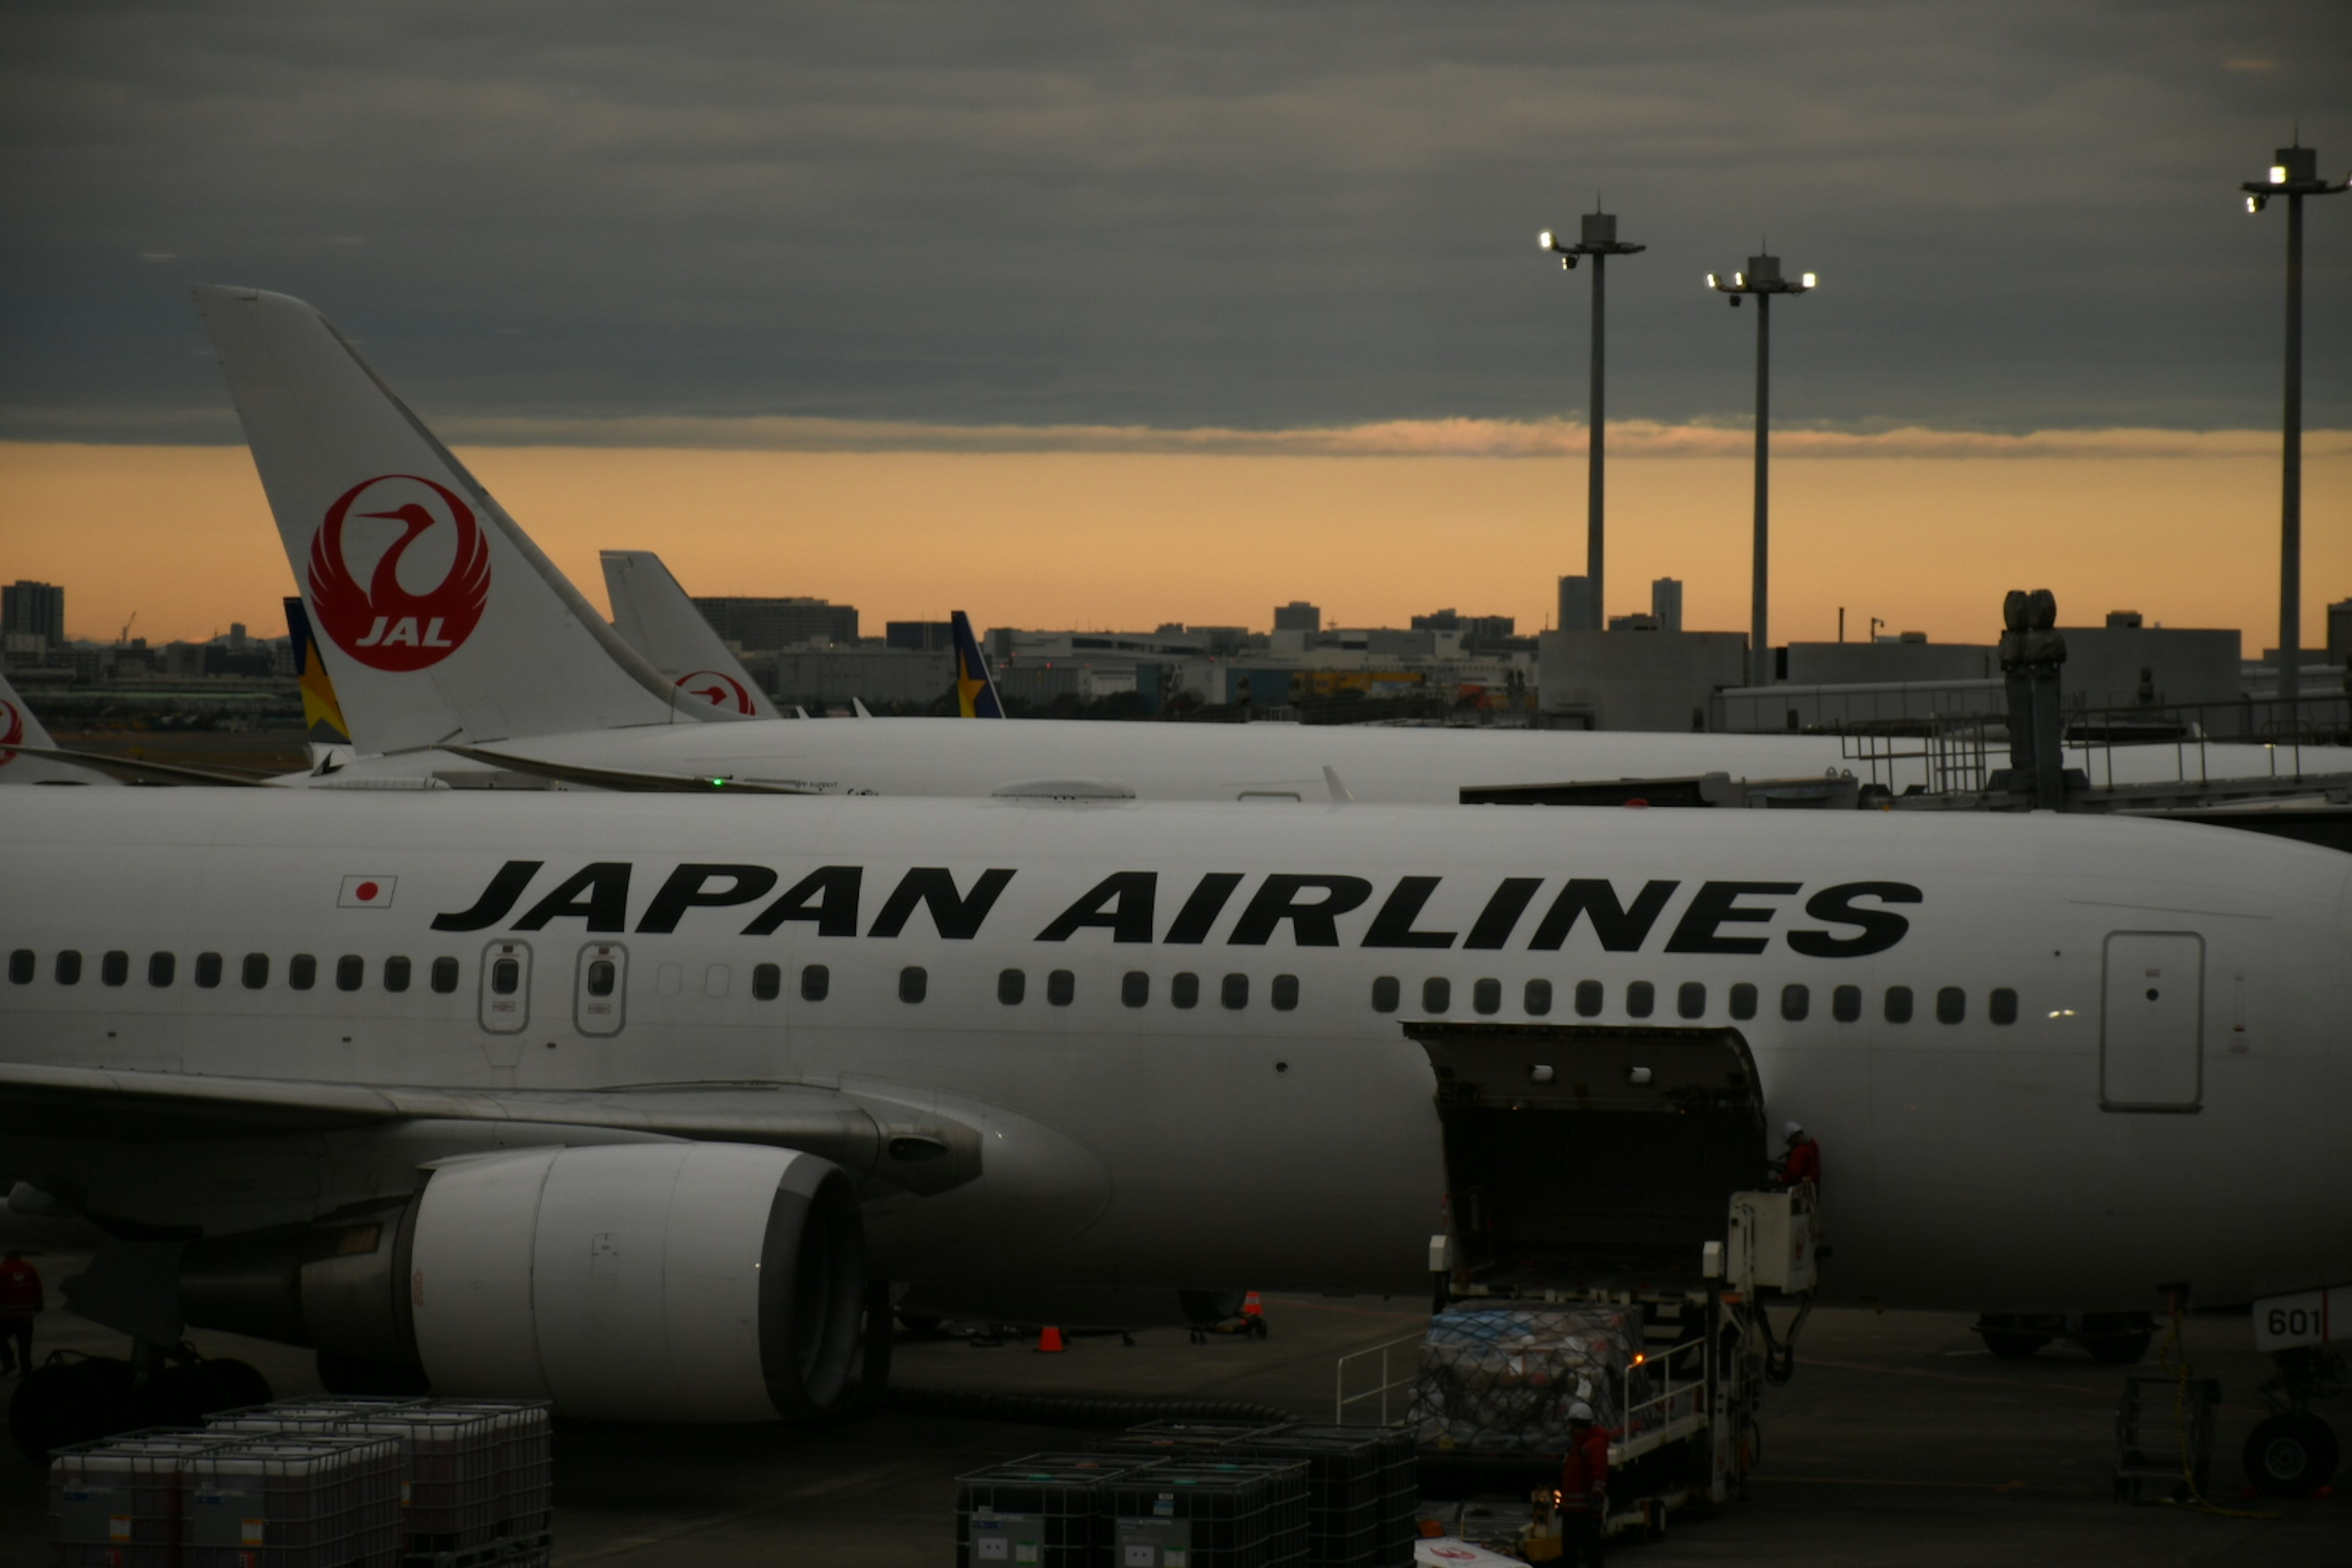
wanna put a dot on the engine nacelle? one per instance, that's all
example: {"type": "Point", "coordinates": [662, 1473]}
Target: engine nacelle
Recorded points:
{"type": "Point", "coordinates": [644, 1281]}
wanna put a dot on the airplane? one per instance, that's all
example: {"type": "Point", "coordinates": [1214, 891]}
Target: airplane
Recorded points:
{"type": "Point", "coordinates": [500, 668]}
{"type": "Point", "coordinates": [654, 615]}
{"type": "Point", "coordinates": [976, 695]}
{"type": "Point", "coordinates": [620, 1102]}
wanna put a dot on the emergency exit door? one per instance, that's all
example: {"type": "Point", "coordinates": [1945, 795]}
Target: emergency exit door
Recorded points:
{"type": "Point", "coordinates": [599, 992]}
{"type": "Point", "coordinates": [505, 987]}
{"type": "Point", "coordinates": [2152, 1021]}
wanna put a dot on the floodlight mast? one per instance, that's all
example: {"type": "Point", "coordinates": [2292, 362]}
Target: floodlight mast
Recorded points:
{"type": "Point", "coordinates": [1597, 238]}
{"type": "Point", "coordinates": [2295, 175]}
{"type": "Point", "coordinates": [1762, 278]}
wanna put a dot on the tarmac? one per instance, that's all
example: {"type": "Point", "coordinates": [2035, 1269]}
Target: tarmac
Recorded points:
{"type": "Point", "coordinates": [1899, 1441]}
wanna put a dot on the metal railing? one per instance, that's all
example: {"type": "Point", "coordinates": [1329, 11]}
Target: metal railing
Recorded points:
{"type": "Point", "coordinates": [1672, 1400]}
{"type": "Point", "coordinates": [1342, 1400]}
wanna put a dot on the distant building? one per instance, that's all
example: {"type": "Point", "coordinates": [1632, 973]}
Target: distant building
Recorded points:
{"type": "Point", "coordinates": [34, 609]}
{"type": "Point", "coordinates": [760, 625]}
{"type": "Point", "coordinates": [1477, 631]}
{"type": "Point", "coordinates": [2339, 632]}
{"type": "Point", "coordinates": [1657, 681]}
{"type": "Point", "coordinates": [919, 636]}
{"type": "Point", "coordinates": [1666, 603]}
{"type": "Point", "coordinates": [1578, 613]}
{"type": "Point", "coordinates": [1297, 616]}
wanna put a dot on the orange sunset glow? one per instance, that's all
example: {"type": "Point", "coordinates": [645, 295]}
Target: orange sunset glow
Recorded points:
{"type": "Point", "coordinates": [181, 535]}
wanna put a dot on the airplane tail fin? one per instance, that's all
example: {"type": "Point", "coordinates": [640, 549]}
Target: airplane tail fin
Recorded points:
{"type": "Point", "coordinates": [322, 715]}
{"type": "Point", "coordinates": [976, 695]}
{"type": "Point", "coordinates": [437, 618]}
{"type": "Point", "coordinates": [20, 726]}
{"type": "Point", "coordinates": [654, 615]}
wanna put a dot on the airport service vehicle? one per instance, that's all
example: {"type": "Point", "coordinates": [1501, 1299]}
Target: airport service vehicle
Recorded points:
{"type": "Point", "coordinates": [618, 1100]}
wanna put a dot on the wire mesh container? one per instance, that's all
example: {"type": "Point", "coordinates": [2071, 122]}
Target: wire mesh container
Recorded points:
{"type": "Point", "coordinates": [1188, 1440]}
{"type": "Point", "coordinates": [1044, 1510]}
{"type": "Point", "coordinates": [297, 1500]}
{"type": "Point", "coordinates": [1346, 1488]}
{"type": "Point", "coordinates": [526, 1463]}
{"type": "Point", "coordinates": [1188, 1516]}
{"type": "Point", "coordinates": [1286, 1512]}
{"type": "Point", "coordinates": [118, 1503]}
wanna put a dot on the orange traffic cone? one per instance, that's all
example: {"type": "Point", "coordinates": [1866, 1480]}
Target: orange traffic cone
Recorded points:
{"type": "Point", "coordinates": [1251, 1306]}
{"type": "Point", "coordinates": [1049, 1341]}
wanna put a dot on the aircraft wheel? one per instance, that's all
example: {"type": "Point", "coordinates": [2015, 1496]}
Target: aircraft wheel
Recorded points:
{"type": "Point", "coordinates": [62, 1403]}
{"type": "Point", "coordinates": [2011, 1343]}
{"type": "Point", "coordinates": [2288, 1455]}
{"type": "Point", "coordinates": [183, 1395]}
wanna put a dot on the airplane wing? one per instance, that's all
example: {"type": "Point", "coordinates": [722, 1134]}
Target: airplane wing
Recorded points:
{"type": "Point", "coordinates": [132, 769]}
{"type": "Point", "coordinates": [867, 1135]}
{"type": "Point", "coordinates": [653, 614]}
{"type": "Point", "coordinates": [631, 781]}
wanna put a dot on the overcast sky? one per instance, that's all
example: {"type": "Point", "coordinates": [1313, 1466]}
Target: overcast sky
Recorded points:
{"type": "Point", "coordinates": [1254, 217]}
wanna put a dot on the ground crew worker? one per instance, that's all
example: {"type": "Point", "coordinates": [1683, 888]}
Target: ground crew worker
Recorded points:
{"type": "Point", "coordinates": [20, 1299]}
{"type": "Point", "coordinates": [1802, 1163]}
{"type": "Point", "coordinates": [1583, 1488]}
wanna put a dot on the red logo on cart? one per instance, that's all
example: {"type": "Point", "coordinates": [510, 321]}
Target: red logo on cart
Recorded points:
{"type": "Point", "coordinates": [394, 622]}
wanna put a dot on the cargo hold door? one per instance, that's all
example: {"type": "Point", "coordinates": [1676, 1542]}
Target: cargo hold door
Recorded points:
{"type": "Point", "coordinates": [1575, 1154]}
{"type": "Point", "coordinates": [2152, 1022]}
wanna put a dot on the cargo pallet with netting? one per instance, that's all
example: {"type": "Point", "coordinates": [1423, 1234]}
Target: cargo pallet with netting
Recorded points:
{"type": "Point", "coordinates": [1607, 1246]}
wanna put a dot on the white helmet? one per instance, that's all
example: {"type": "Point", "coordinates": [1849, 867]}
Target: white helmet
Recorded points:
{"type": "Point", "coordinates": [1580, 1411]}
{"type": "Point", "coordinates": [1791, 1128]}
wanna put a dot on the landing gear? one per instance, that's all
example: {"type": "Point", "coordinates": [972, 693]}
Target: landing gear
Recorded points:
{"type": "Point", "coordinates": [73, 1398]}
{"type": "Point", "coordinates": [2009, 1343]}
{"type": "Point", "coordinates": [2114, 1338]}
{"type": "Point", "coordinates": [2292, 1452]}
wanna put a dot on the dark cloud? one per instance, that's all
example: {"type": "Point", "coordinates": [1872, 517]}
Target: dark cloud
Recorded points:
{"type": "Point", "coordinates": [1206, 214]}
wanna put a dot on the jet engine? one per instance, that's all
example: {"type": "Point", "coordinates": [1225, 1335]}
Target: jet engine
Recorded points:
{"type": "Point", "coordinates": [701, 1282]}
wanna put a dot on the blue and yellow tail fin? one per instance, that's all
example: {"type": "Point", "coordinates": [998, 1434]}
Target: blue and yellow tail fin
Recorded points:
{"type": "Point", "coordinates": [322, 716]}
{"type": "Point", "coordinates": [975, 689]}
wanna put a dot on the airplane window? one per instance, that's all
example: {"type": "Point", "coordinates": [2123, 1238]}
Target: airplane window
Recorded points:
{"type": "Point", "coordinates": [1743, 1001]}
{"type": "Point", "coordinates": [1234, 992]}
{"type": "Point", "coordinates": [350, 972]}
{"type": "Point", "coordinates": [1012, 985]}
{"type": "Point", "coordinates": [599, 978]}
{"type": "Point", "coordinates": [1951, 1005]}
{"type": "Point", "coordinates": [1845, 1004]}
{"type": "Point", "coordinates": [506, 976]}
{"type": "Point", "coordinates": [160, 967]}
{"type": "Point", "coordinates": [1487, 996]}
{"type": "Point", "coordinates": [767, 982]}
{"type": "Point", "coordinates": [20, 967]}
{"type": "Point", "coordinates": [1135, 988]}
{"type": "Point", "coordinates": [1060, 987]}
{"type": "Point", "coordinates": [115, 967]}
{"type": "Point", "coordinates": [1286, 992]}
{"type": "Point", "coordinates": [1436, 995]}
{"type": "Point", "coordinates": [914, 983]}
{"type": "Point", "coordinates": [816, 982]}
{"type": "Point", "coordinates": [1385, 994]}
{"type": "Point", "coordinates": [257, 971]}
{"type": "Point", "coordinates": [1184, 990]}
{"type": "Point", "coordinates": [444, 974]}
{"type": "Point", "coordinates": [2004, 1005]}
{"type": "Point", "coordinates": [395, 975]}
{"type": "Point", "coordinates": [1795, 1003]}
{"type": "Point", "coordinates": [1690, 999]}
{"type": "Point", "coordinates": [1641, 998]}
{"type": "Point", "coordinates": [716, 979]}
{"type": "Point", "coordinates": [302, 972]}
{"type": "Point", "coordinates": [1898, 1003]}
{"type": "Point", "coordinates": [208, 970]}
{"type": "Point", "coordinates": [1589, 998]}
{"type": "Point", "coordinates": [1536, 999]}
{"type": "Point", "coordinates": [68, 968]}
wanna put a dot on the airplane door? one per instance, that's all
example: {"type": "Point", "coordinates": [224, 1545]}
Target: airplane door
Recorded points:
{"type": "Point", "coordinates": [600, 991]}
{"type": "Point", "coordinates": [505, 987]}
{"type": "Point", "coordinates": [2151, 1022]}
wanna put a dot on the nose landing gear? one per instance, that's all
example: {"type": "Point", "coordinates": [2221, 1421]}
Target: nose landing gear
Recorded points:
{"type": "Point", "coordinates": [2292, 1452]}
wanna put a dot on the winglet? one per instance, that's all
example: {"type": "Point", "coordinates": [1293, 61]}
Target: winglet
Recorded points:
{"type": "Point", "coordinates": [976, 695]}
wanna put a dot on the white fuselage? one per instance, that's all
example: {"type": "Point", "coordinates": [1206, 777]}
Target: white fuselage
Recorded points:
{"type": "Point", "coordinates": [1969, 1162]}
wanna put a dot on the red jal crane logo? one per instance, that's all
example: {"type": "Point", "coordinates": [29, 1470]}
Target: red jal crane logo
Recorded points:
{"type": "Point", "coordinates": [11, 731]}
{"type": "Point", "coordinates": [384, 624]}
{"type": "Point", "coordinates": [721, 690]}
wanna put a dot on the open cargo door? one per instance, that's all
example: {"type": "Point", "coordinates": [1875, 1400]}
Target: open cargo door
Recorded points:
{"type": "Point", "coordinates": [1575, 1154]}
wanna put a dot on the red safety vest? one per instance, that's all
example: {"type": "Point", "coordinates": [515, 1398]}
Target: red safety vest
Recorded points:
{"type": "Point", "coordinates": [20, 1289]}
{"type": "Point", "coordinates": [1584, 1474]}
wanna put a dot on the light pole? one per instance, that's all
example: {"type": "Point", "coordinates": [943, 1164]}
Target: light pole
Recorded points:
{"type": "Point", "coordinates": [1597, 238]}
{"type": "Point", "coordinates": [1763, 280]}
{"type": "Point", "coordinates": [2295, 175]}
